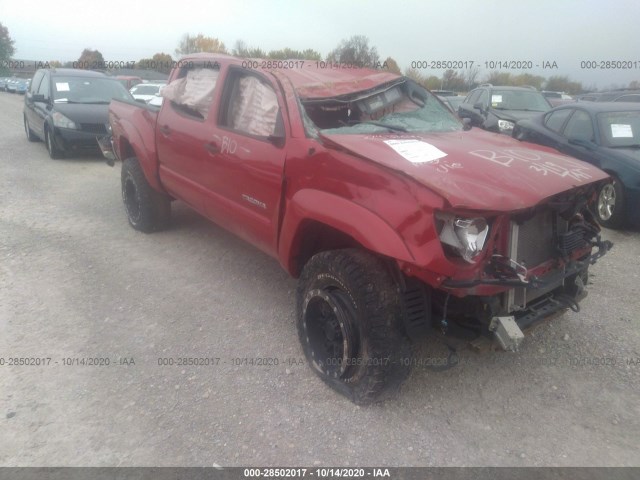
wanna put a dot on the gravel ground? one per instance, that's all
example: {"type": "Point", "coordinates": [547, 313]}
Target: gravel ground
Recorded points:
{"type": "Point", "coordinates": [76, 281]}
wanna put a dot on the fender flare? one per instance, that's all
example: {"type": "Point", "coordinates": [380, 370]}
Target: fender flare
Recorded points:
{"type": "Point", "coordinates": [146, 154]}
{"type": "Point", "coordinates": [361, 224]}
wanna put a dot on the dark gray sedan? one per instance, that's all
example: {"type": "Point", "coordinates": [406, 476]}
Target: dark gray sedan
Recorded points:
{"type": "Point", "coordinates": [605, 134]}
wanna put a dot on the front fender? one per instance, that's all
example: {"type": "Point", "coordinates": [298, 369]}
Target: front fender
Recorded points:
{"type": "Point", "coordinates": [361, 224]}
{"type": "Point", "coordinates": [140, 144]}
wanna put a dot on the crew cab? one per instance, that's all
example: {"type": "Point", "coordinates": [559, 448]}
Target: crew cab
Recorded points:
{"type": "Point", "coordinates": [394, 216]}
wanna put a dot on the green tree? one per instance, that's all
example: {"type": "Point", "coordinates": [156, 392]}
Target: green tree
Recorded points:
{"type": "Point", "coordinates": [432, 82]}
{"type": "Point", "coordinates": [242, 50]}
{"type": "Point", "coordinates": [90, 59]}
{"type": "Point", "coordinates": [290, 54]}
{"type": "Point", "coordinates": [311, 54]}
{"type": "Point", "coordinates": [6, 49]}
{"type": "Point", "coordinates": [558, 83]}
{"type": "Point", "coordinates": [160, 62]}
{"type": "Point", "coordinates": [199, 43]}
{"type": "Point", "coordinates": [453, 80]}
{"type": "Point", "coordinates": [471, 77]}
{"type": "Point", "coordinates": [392, 66]}
{"type": "Point", "coordinates": [528, 79]}
{"type": "Point", "coordinates": [355, 50]}
{"type": "Point", "coordinates": [499, 78]}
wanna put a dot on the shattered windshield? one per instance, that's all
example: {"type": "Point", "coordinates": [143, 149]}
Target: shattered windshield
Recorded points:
{"type": "Point", "coordinates": [404, 107]}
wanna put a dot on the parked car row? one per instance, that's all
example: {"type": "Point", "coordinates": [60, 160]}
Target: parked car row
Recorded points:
{"type": "Point", "coordinates": [14, 84]}
{"type": "Point", "coordinates": [604, 134]}
{"type": "Point", "coordinates": [603, 131]}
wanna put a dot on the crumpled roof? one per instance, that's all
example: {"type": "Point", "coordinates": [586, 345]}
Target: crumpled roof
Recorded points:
{"type": "Point", "coordinates": [310, 78]}
{"type": "Point", "coordinates": [311, 81]}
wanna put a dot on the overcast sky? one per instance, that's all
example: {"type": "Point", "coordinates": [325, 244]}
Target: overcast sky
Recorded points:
{"type": "Point", "coordinates": [564, 31]}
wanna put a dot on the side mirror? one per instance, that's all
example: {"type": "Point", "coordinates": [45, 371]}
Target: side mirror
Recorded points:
{"type": "Point", "coordinates": [38, 97]}
{"type": "Point", "coordinates": [479, 106]}
{"type": "Point", "coordinates": [466, 124]}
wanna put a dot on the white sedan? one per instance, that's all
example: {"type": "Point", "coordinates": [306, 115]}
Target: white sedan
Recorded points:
{"type": "Point", "coordinates": [144, 92]}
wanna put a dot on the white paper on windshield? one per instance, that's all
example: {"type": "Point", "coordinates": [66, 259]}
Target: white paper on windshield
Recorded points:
{"type": "Point", "coordinates": [62, 86]}
{"type": "Point", "coordinates": [496, 98]}
{"type": "Point", "coordinates": [619, 130]}
{"type": "Point", "coordinates": [416, 151]}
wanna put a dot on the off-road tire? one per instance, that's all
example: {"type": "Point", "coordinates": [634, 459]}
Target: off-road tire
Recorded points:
{"type": "Point", "coordinates": [611, 216]}
{"type": "Point", "coordinates": [147, 209]}
{"type": "Point", "coordinates": [27, 129]}
{"type": "Point", "coordinates": [52, 148]}
{"type": "Point", "coordinates": [347, 299]}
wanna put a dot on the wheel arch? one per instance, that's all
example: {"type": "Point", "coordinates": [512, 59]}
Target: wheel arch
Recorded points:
{"type": "Point", "coordinates": [317, 221]}
{"type": "Point", "coordinates": [133, 146]}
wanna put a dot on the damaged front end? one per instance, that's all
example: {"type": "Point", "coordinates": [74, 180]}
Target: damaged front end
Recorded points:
{"type": "Point", "coordinates": [517, 269]}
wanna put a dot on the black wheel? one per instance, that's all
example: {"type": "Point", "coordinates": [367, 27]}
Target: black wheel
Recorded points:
{"type": "Point", "coordinates": [30, 135]}
{"type": "Point", "coordinates": [611, 204]}
{"type": "Point", "coordinates": [349, 323]}
{"type": "Point", "coordinates": [147, 209]}
{"type": "Point", "coordinates": [52, 148]}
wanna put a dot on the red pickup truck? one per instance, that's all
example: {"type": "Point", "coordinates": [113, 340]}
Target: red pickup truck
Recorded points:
{"type": "Point", "coordinates": [394, 215]}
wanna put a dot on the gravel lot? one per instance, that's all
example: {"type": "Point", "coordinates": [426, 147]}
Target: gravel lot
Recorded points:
{"type": "Point", "coordinates": [76, 281]}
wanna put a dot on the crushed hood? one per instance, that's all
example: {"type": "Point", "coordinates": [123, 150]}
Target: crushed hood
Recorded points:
{"type": "Point", "coordinates": [475, 169]}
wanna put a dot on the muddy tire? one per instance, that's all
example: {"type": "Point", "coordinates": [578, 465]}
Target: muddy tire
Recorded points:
{"type": "Point", "coordinates": [610, 205]}
{"type": "Point", "coordinates": [54, 151]}
{"type": "Point", "coordinates": [27, 129]}
{"type": "Point", "coordinates": [349, 324]}
{"type": "Point", "coordinates": [147, 209]}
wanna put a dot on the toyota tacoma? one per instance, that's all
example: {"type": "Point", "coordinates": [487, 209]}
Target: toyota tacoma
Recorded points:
{"type": "Point", "coordinates": [395, 216]}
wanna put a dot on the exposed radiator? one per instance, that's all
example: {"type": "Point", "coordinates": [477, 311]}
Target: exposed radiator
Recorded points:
{"type": "Point", "coordinates": [535, 241]}
{"type": "Point", "coordinates": [532, 242]}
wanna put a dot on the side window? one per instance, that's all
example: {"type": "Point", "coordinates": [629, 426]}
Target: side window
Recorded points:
{"type": "Point", "coordinates": [35, 83]}
{"type": "Point", "coordinates": [628, 98]}
{"type": "Point", "coordinates": [472, 98]}
{"type": "Point", "coordinates": [251, 106]}
{"type": "Point", "coordinates": [555, 120]}
{"type": "Point", "coordinates": [579, 126]}
{"type": "Point", "coordinates": [484, 98]}
{"type": "Point", "coordinates": [193, 91]}
{"type": "Point", "coordinates": [44, 87]}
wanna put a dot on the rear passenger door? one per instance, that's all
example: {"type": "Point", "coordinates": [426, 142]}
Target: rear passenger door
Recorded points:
{"type": "Point", "coordinates": [244, 167]}
{"type": "Point", "coordinates": [184, 129]}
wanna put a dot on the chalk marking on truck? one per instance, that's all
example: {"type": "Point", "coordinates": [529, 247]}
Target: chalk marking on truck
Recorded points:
{"type": "Point", "coordinates": [538, 163]}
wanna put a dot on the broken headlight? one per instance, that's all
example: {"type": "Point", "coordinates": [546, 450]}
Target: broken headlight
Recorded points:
{"type": "Point", "coordinates": [466, 236]}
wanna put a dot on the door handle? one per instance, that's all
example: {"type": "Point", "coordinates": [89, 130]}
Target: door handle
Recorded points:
{"type": "Point", "coordinates": [212, 148]}
{"type": "Point", "coordinates": [165, 130]}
